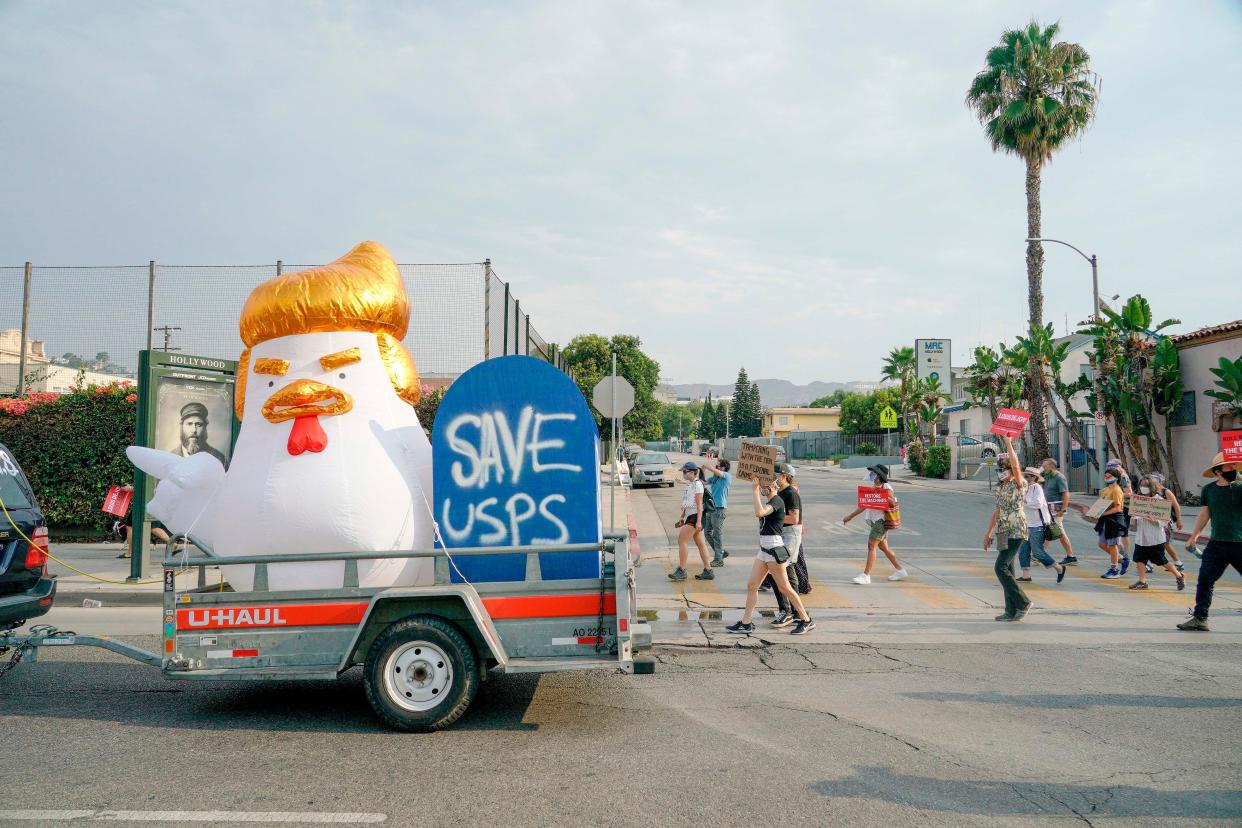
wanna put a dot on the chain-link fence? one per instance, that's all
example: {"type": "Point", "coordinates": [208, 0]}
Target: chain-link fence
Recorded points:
{"type": "Point", "coordinates": [89, 323]}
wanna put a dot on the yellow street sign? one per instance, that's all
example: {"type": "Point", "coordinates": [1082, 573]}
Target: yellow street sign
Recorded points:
{"type": "Point", "coordinates": [888, 417]}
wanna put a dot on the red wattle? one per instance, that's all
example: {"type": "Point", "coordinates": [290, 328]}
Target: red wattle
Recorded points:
{"type": "Point", "coordinates": [307, 435]}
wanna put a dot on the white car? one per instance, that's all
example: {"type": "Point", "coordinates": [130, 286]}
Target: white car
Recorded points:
{"type": "Point", "coordinates": [652, 469]}
{"type": "Point", "coordinates": [971, 447]}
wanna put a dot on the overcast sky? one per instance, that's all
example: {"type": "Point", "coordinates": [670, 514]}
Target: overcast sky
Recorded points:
{"type": "Point", "coordinates": [793, 187]}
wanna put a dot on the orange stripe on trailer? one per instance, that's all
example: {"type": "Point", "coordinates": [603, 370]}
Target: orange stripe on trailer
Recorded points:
{"type": "Point", "coordinates": [548, 606]}
{"type": "Point", "coordinates": [275, 615]}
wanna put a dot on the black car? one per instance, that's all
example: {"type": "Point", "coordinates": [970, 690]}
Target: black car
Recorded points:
{"type": "Point", "coordinates": [26, 591]}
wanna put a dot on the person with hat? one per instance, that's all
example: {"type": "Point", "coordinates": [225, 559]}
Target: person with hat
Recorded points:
{"type": "Point", "coordinates": [791, 534]}
{"type": "Point", "coordinates": [690, 526]}
{"type": "Point", "coordinates": [1008, 526]}
{"type": "Point", "coordinates": [1127, 489]}
{"type": "Point", "coordinates": [194, 433]}
{"type": "Point", "coordinates": [1149, 539]}
{"type": "Point", "coordinates": [877, 536]}
{"type": "Point", "coordinates": [1038, 518]}
{"type": "Point", "coordinates": [1222, 505]}
{"type": "Point", "coordinates": [1158, 489]}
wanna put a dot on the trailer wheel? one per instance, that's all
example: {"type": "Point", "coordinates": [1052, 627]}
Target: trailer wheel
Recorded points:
{"type": "Point", "coordinates": [421, 674]}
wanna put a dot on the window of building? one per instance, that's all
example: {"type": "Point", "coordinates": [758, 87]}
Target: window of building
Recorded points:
{"type": "Point", "coordinates": [784, 420]}
{"type": "Point", "coordinates": [1184, 414]}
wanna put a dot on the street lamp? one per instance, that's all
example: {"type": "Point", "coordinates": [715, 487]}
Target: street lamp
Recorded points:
{"type": "Point", "coordinates": [1095, 272]}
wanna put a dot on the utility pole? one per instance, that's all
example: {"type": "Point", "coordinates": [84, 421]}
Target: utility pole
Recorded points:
{"type": "Point", "coordinates": [167, 330]}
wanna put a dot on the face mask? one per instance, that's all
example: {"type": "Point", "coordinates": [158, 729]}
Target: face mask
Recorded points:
{"type": "Point", "coordinates": [1048, 472]}
{"type": "Point", "coordinates": [1144, 490]}
{"type": "Point", "coordinates": [1230, 475]}
{"type": "Point", "coordinates": [1108, 481]}
{"type": "Point", "coordinates": [875, 478]}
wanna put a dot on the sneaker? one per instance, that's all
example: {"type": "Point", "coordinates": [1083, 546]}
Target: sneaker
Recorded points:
{"type": "Point", "coordinates": [1194, 623]}
{"type": "Point", "coordinates": [765, 587]}
{"type": "Point", "coordinates": [705, 575]}
{"type": "Point", "coordinates": [1181, 582]}
{"type": "Point", "coordinates": [1139, 585]}
{"type": "Point", "coordinates": [1024, 578]}
{"type": "Point", "coordinates": [1149, 569]}
{"type": "Point", "coordinates": [677, 574]}
{"type": "Point", "coordinates": [898, 575]}
{"type": "Point", "coordinates": [717, 561]}
{"type": "Point", "coordinates": [740, 628]}
{"type": "Point", "coordinates": [862, 578]}
{"type": "Point", "coordinates": [1062, 573]}
{"type": "Point", "coordinates": [1111, 573]}
{"type": "Point", "coordinates": [1004, 616]}
{"type": "Point", "coordinates": [1069, 560]}
{"type": "Point", "coordinates": [1019, 615]}
{"type": "Point", "coordinates": [1125, 564]}
{"type": "Point", "coordinates": [803, 627]}
{"type": "Point", "coordinates": [724, 554]}
{"type": "Point", "coordinates": [784, 619]}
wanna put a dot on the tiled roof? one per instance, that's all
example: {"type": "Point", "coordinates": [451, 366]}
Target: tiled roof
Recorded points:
{"type": "Point", "coordinates": [1204, 333]}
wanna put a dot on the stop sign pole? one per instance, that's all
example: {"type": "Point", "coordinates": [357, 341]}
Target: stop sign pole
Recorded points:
{"type": "Point", "coordinates": [613, 397]}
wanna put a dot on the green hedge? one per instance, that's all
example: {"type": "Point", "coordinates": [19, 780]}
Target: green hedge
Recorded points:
{"type": "Point", "coordinates": [72, 447]}
{"type": "Point", "coordinates": [937, 462]}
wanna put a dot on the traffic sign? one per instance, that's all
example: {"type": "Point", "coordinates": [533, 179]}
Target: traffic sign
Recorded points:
{"type": "Point", "coordinates": [602, 399]}
{"type": "Point", "coordinates": [888, 417]}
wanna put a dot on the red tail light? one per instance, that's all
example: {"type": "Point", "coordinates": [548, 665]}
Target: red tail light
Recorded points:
{"type": "Point", "coordinates": [36, 555]}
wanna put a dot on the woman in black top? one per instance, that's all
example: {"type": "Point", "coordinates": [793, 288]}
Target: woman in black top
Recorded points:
{"type": "Point", "coordinates": [772, 560]}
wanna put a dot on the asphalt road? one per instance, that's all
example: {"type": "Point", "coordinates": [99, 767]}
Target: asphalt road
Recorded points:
{"type": "Point", "coordinates": [894, 713]}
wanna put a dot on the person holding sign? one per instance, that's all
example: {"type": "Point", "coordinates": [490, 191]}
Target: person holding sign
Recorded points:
{"type": "Point", "coordinates": [1008, 522]}
{"type": "Point", "coordinates": [1111, 524]}
{"type": "Point", "coordinates": [1222, 504]}
{"type": "Point", "coordinates": [1150, 532]}
{"type": "Point", "coordinates": [877, 536]}
{"type": "Point", "coordinates": [689, 524]}
{"type": "Point", "coordinates": [1158, 489]}
{"type": "Point", "coordinates": [773, 559]}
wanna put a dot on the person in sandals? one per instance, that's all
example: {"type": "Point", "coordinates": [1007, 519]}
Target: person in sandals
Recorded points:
{"type": "Point", "coordinates": [1149, 536]}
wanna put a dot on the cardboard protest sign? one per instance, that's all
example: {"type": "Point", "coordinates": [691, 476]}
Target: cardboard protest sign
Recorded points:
{"type": "Point", "coordinates": [756, 462]}
{"type": "Point", "coordinates": [117, 501]}
{"type": "Point", "coordinates": [1151, 507]}
{"type": "Point", "coordinates": [517, 464]}
{"type": "Point", "coordinates": [870, 497]}
{"type": "Point", "coordinates": [1010, 422]}
{"type": "Point", "coordinates": [1099, 507]}
{"type": "Point", "coordinates": [1231, 446]}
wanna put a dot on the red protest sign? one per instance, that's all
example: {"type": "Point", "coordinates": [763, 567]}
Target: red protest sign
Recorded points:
{"type": "Point", "coordinates": [117, 501]}
{"type": "Point", "coordinates": [872, 498]}
{"type": "Point", "coordinates": [1231, 446]}
{"type": "Point", "coordinates": [1010, 422]}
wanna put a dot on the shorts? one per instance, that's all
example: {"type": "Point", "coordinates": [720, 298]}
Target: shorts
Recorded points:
{"type": "Point", "coordinates": [692, 520]}
{"type": "Point", "coordinates": [878, 531]}
{"type": "Point", "coordinates": [1105, 541]}
{"type": "Point", "coordinates": [1153, 555]}
{"type": "Point", "coordinates": [766, 555]}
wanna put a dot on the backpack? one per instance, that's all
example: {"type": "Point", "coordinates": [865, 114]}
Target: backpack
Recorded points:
{"type": "Point", "coordinates": [709, 503]}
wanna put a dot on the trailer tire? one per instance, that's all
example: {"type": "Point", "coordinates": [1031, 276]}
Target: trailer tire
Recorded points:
{"type": "Point", "coordinates": [421, 674]}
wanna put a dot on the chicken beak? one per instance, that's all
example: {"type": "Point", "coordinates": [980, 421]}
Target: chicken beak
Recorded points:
{"type": "Point", "coordinates": [302, 398]}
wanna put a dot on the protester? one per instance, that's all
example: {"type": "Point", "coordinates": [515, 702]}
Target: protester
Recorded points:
{"type": "Point", "coordinates": [1149, 537]}
{"type": "Point", "coordinates": [719, 480]}
{"type": "Point", "coordinates": [1057, 493]}
{"type": "Point", "coordinates": [1109, 526]}
{"type": "Point", "coordinates": [791, 534]}
{"type": "Point", "coordinates": [1222, 504]}
{"type": "Point", "coordinates": [1127, 489]}
{"type": "Point", "coordinates": [1038, 518]}
{"type": "Point", "coordinates": [1160, 490]}
{"type": "Point", "coordinates": [878, 536]}
{"type": "Point", "coordinates": [1008, 522]}
{"type": "Point", "coordinates": [691, 509]}
{"type": "Point", "coordinates": [772, 559]}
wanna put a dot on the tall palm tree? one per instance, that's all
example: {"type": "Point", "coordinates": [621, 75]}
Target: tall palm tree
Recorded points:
{"type": "Point", "coordinates": [1035, 94]}
{"type": "Point", "coordinates": [901, 367]}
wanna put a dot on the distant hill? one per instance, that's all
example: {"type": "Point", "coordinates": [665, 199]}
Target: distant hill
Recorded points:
{"type": "Point", "coordinates": [774, 392]}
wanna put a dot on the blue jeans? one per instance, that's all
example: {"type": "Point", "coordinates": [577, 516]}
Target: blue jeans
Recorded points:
{"type": "Point", "coordinates": [1034, 543]}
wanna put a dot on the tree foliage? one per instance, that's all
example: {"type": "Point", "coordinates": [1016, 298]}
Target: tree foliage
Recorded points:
{"type": "Point", "coordinates": [860, 413]}
{"type": "Point", "coordinates": [900, 367]}
{"type": "Point", "coordinates": [590, 358]}
{"type": "Point", "coordinates": [830, 401]}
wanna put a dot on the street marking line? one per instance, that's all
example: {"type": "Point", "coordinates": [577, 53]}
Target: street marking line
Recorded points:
{"type": "Point", "coordinates": [318, 817]}
{"type": "Point", "coordinates": [822, 596]}
{"type": "Point", "coordinates": [1056, 598]}
{"type": "Point", "coordinates": [705, 593]}
{"type": "Point", "coordinates": [933, 596]}
{"type": "Point", "coordinates": [1177, 599]}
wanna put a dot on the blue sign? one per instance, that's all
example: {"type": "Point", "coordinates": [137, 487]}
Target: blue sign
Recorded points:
{"type": "Point", "coordinates": [516, 463]}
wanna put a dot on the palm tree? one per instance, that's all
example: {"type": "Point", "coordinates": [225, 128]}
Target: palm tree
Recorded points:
{"type": "Point", "coordinates": [1034, 94]}
{"type": "Point", "coordinates": [901, 367]}
{"type": "Point", "coordinates": [931, 398]}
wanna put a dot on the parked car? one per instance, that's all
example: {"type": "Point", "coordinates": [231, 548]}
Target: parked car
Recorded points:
{"type": "Point", "coordinates": [780, 454]}
{"type": "Point", "coordinates": [26, 591]}
{"type": "Point", "coordinates": [652, 469]}
{"type": "Point", "coordinates": [972, 447]}
{"type": "Point", "coordinates": [632, 451]}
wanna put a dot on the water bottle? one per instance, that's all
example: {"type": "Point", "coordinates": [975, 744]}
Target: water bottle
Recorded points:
{"type": "Point", "coordinates": [91, 603]}
{"type": "Point", "coordinates": [1193, 548]}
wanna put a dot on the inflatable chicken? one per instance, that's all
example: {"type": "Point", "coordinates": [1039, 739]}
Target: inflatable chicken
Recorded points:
{"type": "Point", "coordinates": [330, 456]}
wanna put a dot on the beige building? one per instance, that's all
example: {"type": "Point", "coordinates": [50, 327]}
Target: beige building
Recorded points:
{"type": "Point", "coordinates": [1199, 421]}
{"type": "Point", "coordinates": [779, 422]}
{"type": "Point", "coordinates": [41, 373]}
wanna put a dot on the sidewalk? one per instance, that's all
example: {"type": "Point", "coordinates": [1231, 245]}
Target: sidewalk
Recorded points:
{"type": "Point", "coordinates": [100, 559]}
{"type": "Point", "coordinates": [903, 476]}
